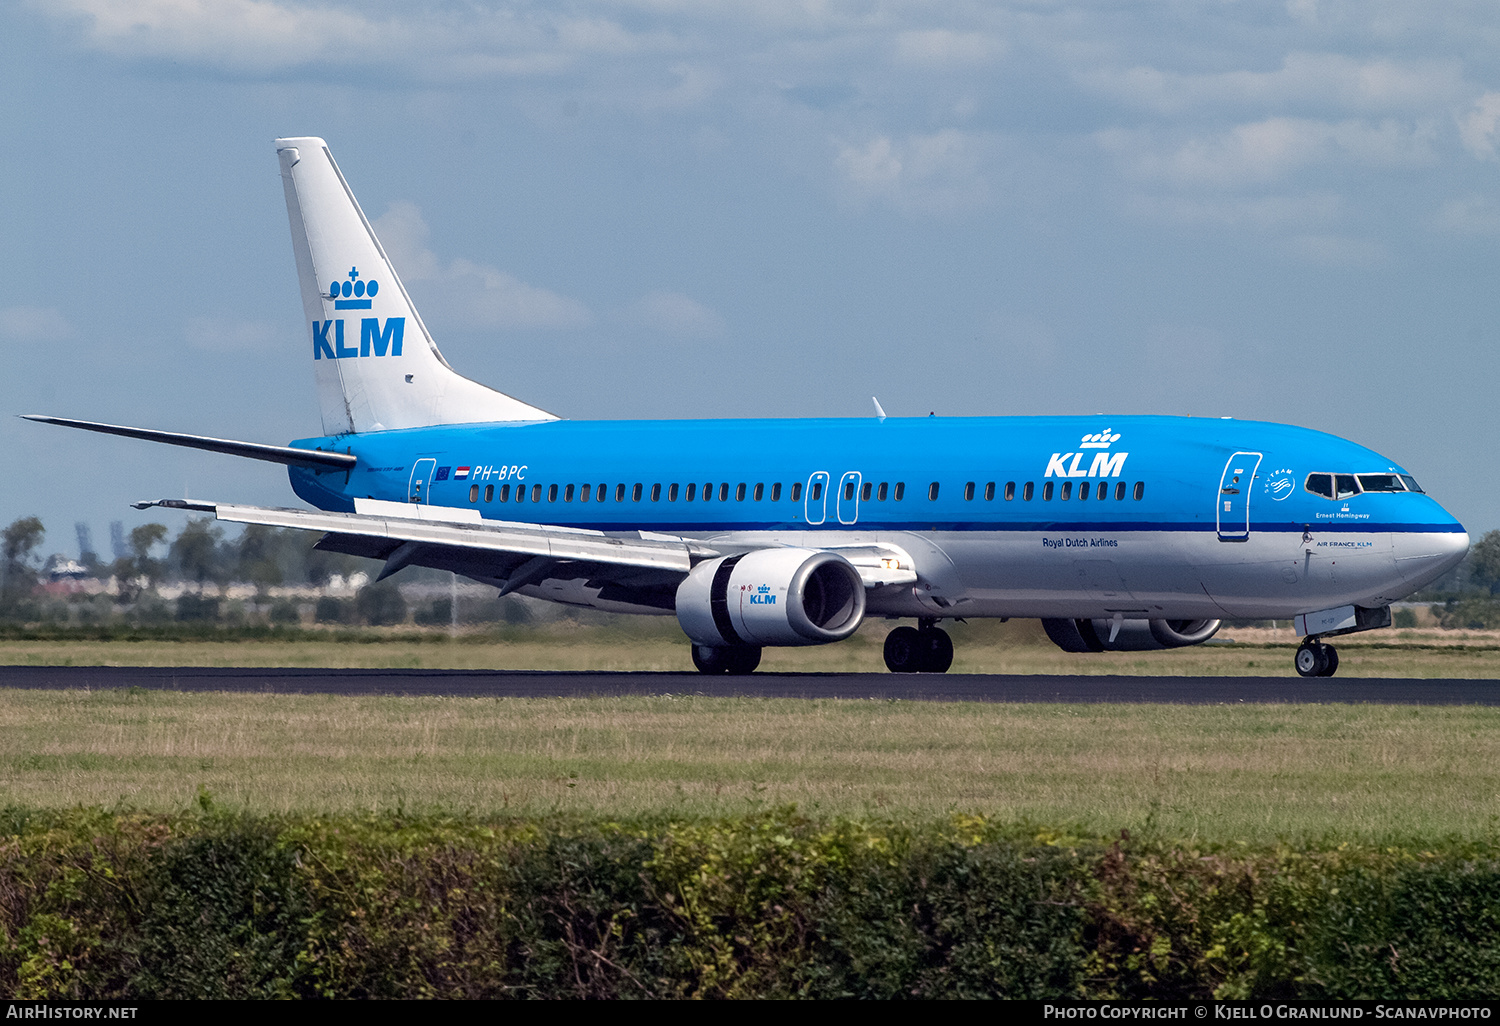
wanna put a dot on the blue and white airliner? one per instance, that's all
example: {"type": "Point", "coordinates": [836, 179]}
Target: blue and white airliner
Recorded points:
{"type": "Point", "coordinates": [1116, 532]}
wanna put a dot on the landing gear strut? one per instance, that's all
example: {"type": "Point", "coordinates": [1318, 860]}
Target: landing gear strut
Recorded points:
{"type": "Point", "coordinates": [736, 660]}
{"type": "Point", "coordinates": [1316, 659]}
{"type": "Point", "coordinates": [923, 649]}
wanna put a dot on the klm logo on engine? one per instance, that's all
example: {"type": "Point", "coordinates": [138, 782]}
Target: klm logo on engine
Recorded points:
{"type": "Point", "coordinates": [1104, 464]}
{"type": "Point", "coordinates": [375, 339]}
{"type": "Point", "coordinates": [762, 596]}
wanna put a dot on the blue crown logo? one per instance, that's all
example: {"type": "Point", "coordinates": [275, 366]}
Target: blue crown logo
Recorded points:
{"type": "Point", "coordinates": [362, 292]}
{"type": "Point", "coordinates": [764, 589]}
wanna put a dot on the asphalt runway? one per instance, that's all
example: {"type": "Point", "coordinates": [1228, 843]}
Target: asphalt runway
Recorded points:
{"type": "Point", "coordinates": [948, 687]}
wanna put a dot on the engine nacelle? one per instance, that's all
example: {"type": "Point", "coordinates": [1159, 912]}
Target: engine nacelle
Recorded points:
{"type": "Point", "coordinates": [1133, 636]}
{"type": "Point", "coordinates": [771, 597]}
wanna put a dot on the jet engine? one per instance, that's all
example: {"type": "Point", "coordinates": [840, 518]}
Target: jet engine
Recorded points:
{"type": "Point", "coordinates": [1133, 636]}
{"type": "Point", "coordinates": [771, 597]}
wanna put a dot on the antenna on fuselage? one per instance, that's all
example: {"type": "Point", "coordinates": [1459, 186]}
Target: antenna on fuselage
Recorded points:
{"type": "Point", "coordinates": [879, 413]}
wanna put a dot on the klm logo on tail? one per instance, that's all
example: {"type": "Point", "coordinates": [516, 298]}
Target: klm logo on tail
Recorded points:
{"type": "Point", "coordinates": [355, 293]}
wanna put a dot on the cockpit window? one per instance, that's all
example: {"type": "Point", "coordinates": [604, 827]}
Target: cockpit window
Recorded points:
{"type": "Point", "coordinates": [1344, 486]}
{"type": "Point", "coordinates": [1411, 483]}
{"type": "Point", "coordinates": [1320, 484]}
{"type": "Point", "coordinates": [1381, 483]}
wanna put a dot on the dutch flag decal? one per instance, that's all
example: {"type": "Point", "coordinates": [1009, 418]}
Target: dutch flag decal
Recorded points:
{"type": "Point", "coordinates": [460, 473]}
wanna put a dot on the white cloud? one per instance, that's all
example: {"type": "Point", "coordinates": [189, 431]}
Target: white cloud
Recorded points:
{"type": "Point", "coordinates": [946, 49]}
{"type": "Point", "coordinates": [940, 172]}
{"type": "Point", "coordinates": [676, 314]}
{"type": "Point", "coordinates": [1479, 128]}
{"type": "Point", "coordinates": [466, 294]}
{"type": "Point", "coordinates": [223, 335]}
{"type": "Point", "coordinates": [1474, 214]}
{"type": "Point", "coordinates": [34, 324]}
{"type": "Point", "coordinates": [1269, 151]}
{"type": "Point", "coordinates": [1304, 80]}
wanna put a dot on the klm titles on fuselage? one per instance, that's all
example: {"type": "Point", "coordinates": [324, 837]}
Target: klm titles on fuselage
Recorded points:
{"type": "Point", "coordinates": [375, 339]}
{"type": "Point", "coordinates": [1104, 464]}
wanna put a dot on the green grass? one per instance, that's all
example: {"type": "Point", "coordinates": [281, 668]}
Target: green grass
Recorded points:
{"type": "Point", "coordinates": [1377, 774]}
{"type": "Point", "coordinates": [656, 643]}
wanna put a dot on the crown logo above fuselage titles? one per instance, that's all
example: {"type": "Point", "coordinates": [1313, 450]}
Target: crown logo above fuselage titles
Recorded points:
{"type": "Point", "coordinates": [1105, 464]}
{"type": "Point", "coordinates": [356, 292]}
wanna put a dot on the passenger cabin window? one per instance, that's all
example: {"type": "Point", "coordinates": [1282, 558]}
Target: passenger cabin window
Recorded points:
{"type": "Point", "coordinates": [1067, 490]}
{"type": "Point", "coordinates": [552, 493]}
{"type": "Point", "coordinates": [969, 491]}
{"type": "Point", "coordinates": [1140, 490]}
{"type": "Point", "coordinates": [1028, 491]}
{"type": "Point", "coordinates": [489, 493]}
{"type": "Point", "coordinates": [708, 491]}
{"type": "Point", "coordinates": [619, 493]}
{"type": "Point", "coordinates": [672, 494]}
{"type": "Point", "coordinates": [865, 492]}
{"type": "Point", "coordinates": [473, 493]}
{"type": "Point", "coordinates": [536, 493]}
{"type": "Point", "coordinates": [848, 491]}
{"type": "Point", "coordinates": [817, 491]}
{"type": "Point", "coordinates": [505, 493]}
{"type": "Point", "coordinates": [1083, 491]}
{"type": "Point", "coordinates": [1120, 492]}
{"type": "Point", "coordinates": [1103, 491]}
{"type": "Point", "coordinates": [602, 492]}
{"type": "Point", "coordinates": [724, 492]}
{"type": "Point", "coordinates": [932, 492]}
{"type": "Point", "coordinates": [1010, 491]}
{"type": "Point", "coordinates": [739, 492]}
{"type": "Point", "coordinates": [637, 492]}
{"type": "Point", "coordinates": [1381, 483]}
{"type": "Point", "coordinates": [760, 491]}
{"type": "Point", "coordinates": [656, 493]}
{"type": "Point", "coordinates": [796, 491]}
{"type": "Point", "coordinates": [692, 492]}
{"type": "Point", "coordinates": [1047, 492]}
{"type": "Point", "coordinates": [989, 492]}
{"type": "Point", "coordinates": [776, 492]}
{"type": "Point", "coordinates": [568, 494]}
{"type": "Point", "coordinates": [882, 491]}
{"type": "Point", "coordinates": [900, 490]}
{"type": "Point", "coordinates": [586, 494]}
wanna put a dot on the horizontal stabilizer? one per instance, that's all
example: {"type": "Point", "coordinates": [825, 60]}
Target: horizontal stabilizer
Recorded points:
{"type": "Point", "coordinates": [314, 459]}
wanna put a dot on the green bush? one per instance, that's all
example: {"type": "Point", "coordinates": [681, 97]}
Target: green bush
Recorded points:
{"type": "Point", "coordinates": [208, 905]}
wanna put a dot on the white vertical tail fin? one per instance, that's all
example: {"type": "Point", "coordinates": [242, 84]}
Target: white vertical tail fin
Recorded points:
{"type": "Point", "coordinates": [375, 364]}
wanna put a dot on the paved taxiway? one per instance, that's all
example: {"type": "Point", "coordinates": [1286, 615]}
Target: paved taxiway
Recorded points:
{"type": "Point", "coordinates": [950, 687]}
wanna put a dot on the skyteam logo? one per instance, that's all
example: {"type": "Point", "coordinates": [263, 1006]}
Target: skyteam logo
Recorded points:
{"type": "Point", "coordinates": [354, 286]}
{"type": "Point", "coordinates": [1280, 485]}
{"type": "Point", "coordinates": [375, 339]}
{"type": "Point", "coordinates": [1104, 464]}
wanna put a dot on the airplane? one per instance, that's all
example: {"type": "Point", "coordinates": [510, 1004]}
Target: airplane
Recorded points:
{"type": "Point", "coordinates": [1117, 532]}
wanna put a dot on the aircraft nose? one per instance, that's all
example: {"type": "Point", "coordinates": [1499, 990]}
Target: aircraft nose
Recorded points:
{"type": "Point", "coordinates": [1424, 557]}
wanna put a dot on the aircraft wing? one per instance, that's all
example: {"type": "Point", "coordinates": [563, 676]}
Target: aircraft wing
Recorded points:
{"type": "Point", "coordinates": [509, 555]}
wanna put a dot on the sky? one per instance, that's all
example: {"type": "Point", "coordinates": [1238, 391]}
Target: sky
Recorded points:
{"type": "Point", "coordinates": [1284, 211]}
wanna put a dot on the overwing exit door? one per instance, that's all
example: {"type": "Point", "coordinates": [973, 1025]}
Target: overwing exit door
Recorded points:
{"type": "Point", "coordinates": [1233, 512]}
{"type": "Point", "coordinates": [815, 507]}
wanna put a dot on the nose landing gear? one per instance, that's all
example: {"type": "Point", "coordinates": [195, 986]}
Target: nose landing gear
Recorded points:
{"type": "Point", "coordinates": [1316, 659]}
{"type": "Point", "coordinates": [927, 649]}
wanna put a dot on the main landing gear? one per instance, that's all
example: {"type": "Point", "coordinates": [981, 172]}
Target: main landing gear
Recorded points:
{"type": "Point", "coordinates": [736, 660]}
{"type": "Point", "coordinates": [1316, 659]}
{"type": "Point", "coordinates": [925, 648]}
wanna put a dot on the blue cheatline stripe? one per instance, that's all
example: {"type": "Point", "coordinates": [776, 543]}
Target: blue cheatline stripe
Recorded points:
{"type": "Point", "coordinates": [518, 515]}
